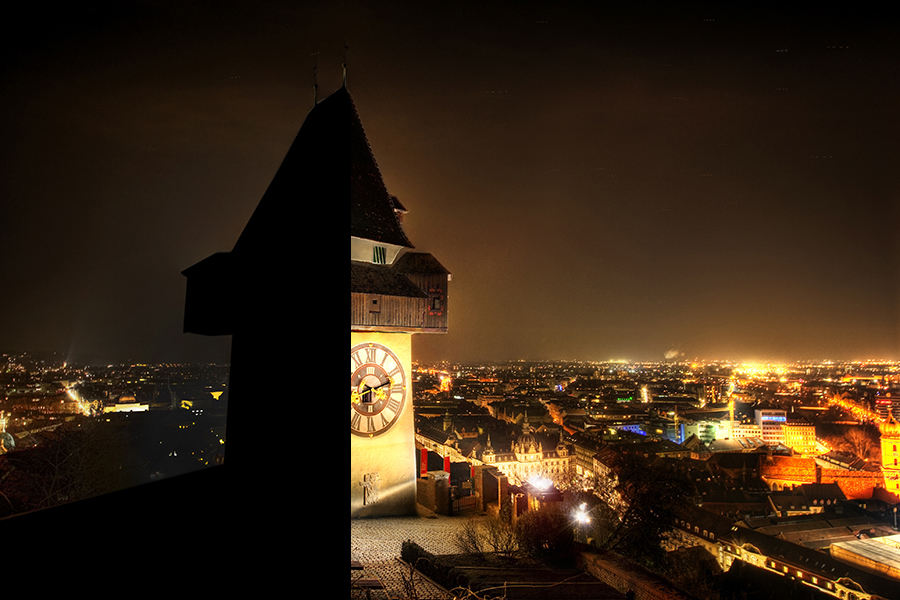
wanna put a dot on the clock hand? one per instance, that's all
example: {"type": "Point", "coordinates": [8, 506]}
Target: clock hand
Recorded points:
{"type": "Point", "coordinates": [357, 397]}
{"type": "Point", "coordinates": [377, 387]}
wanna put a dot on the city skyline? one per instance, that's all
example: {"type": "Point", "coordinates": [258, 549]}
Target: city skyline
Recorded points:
{"type": "Point", "coordinates": [602, 184]}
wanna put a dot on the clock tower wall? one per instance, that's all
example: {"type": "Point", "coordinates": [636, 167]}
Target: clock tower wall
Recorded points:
{"type": "Point", "coordinates": [383, 465]}
{"type": "Point", "coordinates": [395, 292]}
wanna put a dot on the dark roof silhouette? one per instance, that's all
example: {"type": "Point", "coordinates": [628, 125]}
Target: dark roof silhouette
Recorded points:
{"type": "Point", "coordinates": [420, 262]}
{"type": "Point", "coordinates": [329, 159]}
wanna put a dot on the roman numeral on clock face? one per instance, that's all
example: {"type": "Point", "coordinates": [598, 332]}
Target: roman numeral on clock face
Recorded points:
{"type": "Point", "coordinates": [378, 389]}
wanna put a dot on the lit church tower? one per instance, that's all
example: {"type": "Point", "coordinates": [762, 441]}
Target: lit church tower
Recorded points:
{"type": "Point", "coordinates": [394, 292]}
{"type": "Point", "coordinates": [890, 455]}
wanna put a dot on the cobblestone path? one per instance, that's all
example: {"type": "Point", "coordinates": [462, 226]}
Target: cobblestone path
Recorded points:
{"type": "Point", "coordinates": [376, 544]}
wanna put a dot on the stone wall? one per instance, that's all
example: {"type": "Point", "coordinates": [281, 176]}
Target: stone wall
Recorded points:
{"type": "Point", "coordinates": [625, 576]}
{"type": "Point", "coordinates": [433, 492]}
{"type": "Point", "coordinates": [491, 489]}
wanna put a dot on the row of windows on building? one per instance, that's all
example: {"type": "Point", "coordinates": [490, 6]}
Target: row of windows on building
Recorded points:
{"type": "Point", "coordinates": [728, 554]}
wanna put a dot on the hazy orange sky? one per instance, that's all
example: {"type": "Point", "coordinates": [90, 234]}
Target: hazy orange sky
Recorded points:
{"type": "Point", "coordinates": [602, 184]}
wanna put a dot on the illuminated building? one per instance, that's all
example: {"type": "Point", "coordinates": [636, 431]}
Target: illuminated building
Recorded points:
{"type": "Point", "coordinates": [884, 406]}
{"type": "Point", "coordinates": [845, 567]}
{"type": "Point", "coordinates": [770, 420]}
{"type": "Point", "coordinates": [126, 407]}
{"type": "Point", "coordinates": [774, 427]}
{"type": "Point", "coordinates": [890, 456]}
{"type": "Point", "coordinates": [527, 459]}
{"type": "Point", "coordinates": [746, 430]}
{"type": "Point", "coordinates": [126, 403]}
{"type": "Point", "coordinates": [799, 435]}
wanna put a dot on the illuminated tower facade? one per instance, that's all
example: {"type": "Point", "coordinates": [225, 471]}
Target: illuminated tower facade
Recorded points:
{"type": "Point", "coordinates": [395, 292]}
{"type": "Point", "coordinates": [890, 455]}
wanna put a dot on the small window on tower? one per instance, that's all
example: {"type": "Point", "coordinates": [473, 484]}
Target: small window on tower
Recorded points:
{"type": "Point", "coordinates": [379, 255]}
{"type": "Point", "coordinates": [436, 302]}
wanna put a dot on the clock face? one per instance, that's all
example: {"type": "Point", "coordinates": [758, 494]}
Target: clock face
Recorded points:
{"type": "Point", "coordinates": [377, 389]}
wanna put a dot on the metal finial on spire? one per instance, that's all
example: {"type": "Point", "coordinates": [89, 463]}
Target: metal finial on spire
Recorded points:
{"type": "Point", "coordinates": [346, 47]}
{"type": "Point", "coordinates": [315, 56]}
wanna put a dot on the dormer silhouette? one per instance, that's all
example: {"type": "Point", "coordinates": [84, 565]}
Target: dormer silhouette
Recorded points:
{"type": "Point", "coordinates": [268, 257]}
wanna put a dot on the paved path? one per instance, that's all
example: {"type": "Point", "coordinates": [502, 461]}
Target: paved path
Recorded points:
{"type": "Point", "coordinates": [376, 544]}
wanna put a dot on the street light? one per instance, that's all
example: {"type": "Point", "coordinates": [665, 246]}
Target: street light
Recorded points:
{"type": "Point", "coordinates": [582, 518]}
{"type": "Point", "coordinates": [541, 483]}
{"type": "Point", "coordinates": [581, 515]}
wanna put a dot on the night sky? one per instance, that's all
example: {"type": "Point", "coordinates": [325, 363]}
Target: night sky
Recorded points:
{"type": "Point", "coordinates": [603, 183]}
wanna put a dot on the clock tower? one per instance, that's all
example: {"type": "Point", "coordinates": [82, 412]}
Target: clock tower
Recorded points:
{"type": "Point", "coordinates": [255, 293]}
{"type": "Point", "coordinates": [395, 292]}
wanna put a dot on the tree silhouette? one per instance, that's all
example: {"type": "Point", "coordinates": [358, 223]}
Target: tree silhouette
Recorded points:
{"type": "Point", "coordinates": [638, 508]}
{"type": "Point", "coordinates": [546, 534]}
{"type": "Point", "coordinates": [76, 461]}
{"type": "Point", "coordinates": [859, 440]}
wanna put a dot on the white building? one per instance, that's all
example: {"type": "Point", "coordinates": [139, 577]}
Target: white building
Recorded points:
{"type": "Point", "coordinates": [527, 458]}
{"type": "Point", "coordinates": [770, 420]}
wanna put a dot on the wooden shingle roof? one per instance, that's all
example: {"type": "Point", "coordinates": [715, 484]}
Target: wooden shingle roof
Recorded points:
{"type": "Point", "coordinates": [366, 278]}
{"type": "Point", "coordinates": [373, 212]}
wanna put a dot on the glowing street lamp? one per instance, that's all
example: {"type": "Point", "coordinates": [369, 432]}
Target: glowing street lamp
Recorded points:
{"type": "Point", "coordinates": [541, 483]}
{"type": "Point", "coordinates": [582, 519]}
{"type": "Point", "coordinates": [581, 515]}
